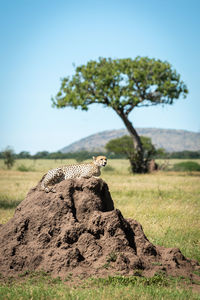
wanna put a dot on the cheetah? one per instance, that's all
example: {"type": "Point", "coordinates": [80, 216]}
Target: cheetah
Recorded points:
{"type": "Point", "coordinates": [85, 170]}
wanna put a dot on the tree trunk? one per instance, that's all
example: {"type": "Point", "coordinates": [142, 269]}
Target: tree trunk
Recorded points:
{"type": "Point", "coordinates": [138, 164]}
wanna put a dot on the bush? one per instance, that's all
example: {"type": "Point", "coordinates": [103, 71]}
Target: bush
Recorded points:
{"type": "Point", "coordinates": [23, 168]}
{"type": "Point", "coordinates": [186, 166]}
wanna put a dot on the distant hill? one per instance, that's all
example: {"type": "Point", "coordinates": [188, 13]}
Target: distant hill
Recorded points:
{"type": "Point", "coordinates": [171, 140]}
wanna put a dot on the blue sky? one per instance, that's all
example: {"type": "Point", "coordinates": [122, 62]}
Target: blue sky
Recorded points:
{"type": "Point", "coordinates": [40, 41]}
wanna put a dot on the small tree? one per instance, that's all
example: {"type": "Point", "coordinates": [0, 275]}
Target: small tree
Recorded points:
{"type": "Point", "coordinates": [124, 146]}
{"type": "Point", "coordinates": [9, 157]}
{"type": "Point", "coordinates": [123, 85]}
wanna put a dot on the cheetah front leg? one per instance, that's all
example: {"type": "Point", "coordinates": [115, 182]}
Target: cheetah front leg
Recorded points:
{"type": "Point", "coordinates": [47, 187]}
{"type": "Point", "coordinates": [50, 188]}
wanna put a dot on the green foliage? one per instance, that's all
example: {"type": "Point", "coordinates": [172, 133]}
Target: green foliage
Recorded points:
{"type": "Point", "coordinates": [112, 257]}
{"type": "Point", "coordinates": [124, 145]}
{"type": "Point", "coordinates": [81, 156]}
{"type": "Point", "coordinates": [9, 157]}
{"type": "Point", "coordinates": [24, 154]}
{"type": "Point", "coordinates": [78, 156]}
{"type": "Point", "coordinates": [184, 154]}
{"type": "Point", "coordinates": [186, 166]}
{"type": "Point", "coordinates": [160, 153]}
{"type": "Point", "coordinates": [41, 154]}
{"type": "Point", "coordinates": [121, 84]}
{"type": "Point", "coordinates": [6, 203]}
{"type": "Point", "coordinates": [24, 168]}
{"type": "Point", "coordinates": [148, 147]}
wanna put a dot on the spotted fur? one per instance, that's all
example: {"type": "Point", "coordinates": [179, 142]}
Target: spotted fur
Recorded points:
{"type": "Point", "coordinates": [85, 170]}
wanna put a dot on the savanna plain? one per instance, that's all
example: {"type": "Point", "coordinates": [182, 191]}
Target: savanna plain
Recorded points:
{"type": "Point", "coordinates": [166, 203]}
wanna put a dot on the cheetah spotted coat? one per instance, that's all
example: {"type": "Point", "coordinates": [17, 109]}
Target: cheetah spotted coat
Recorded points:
{"type": "Point", "coordinates": [85, 170]}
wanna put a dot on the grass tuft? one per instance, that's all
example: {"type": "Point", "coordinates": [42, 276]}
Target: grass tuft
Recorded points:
{"type": "Point", "coordinates": [6, 203]}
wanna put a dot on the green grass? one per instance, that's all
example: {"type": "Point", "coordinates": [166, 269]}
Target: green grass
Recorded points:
{"type": "Point", "coordinates": [39, 285]}
{"type": "Point", "coordinates": [167, 204]}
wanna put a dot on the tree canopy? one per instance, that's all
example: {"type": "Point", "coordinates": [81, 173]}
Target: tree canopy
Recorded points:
{"type": "Point", "coordinates": [122, 84]}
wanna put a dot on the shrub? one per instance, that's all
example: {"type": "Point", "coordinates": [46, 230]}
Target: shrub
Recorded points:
{"type": "Point", "coordinates": [186, 166]}
{"type": "Point", "coordinates": [23, 168]}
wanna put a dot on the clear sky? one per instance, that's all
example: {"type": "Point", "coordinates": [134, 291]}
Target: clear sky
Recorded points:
{"type": "Point", "coordinates": [41, 39]}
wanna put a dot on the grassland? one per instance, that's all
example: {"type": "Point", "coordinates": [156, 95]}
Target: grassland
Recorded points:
{"type": "Point", "coordinates": [167, 204]}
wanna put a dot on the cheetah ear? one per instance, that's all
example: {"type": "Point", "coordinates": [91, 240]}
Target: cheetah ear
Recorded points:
{"type": "Point", "coordinates": [94, 158]}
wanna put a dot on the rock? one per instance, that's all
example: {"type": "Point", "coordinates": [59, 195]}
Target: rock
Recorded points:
{"type": "Point", "coordinates": [78, 230]}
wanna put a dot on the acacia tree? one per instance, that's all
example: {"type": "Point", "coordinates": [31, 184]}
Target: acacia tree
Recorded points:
{"type": "Point", "coordinates": [122, 84]}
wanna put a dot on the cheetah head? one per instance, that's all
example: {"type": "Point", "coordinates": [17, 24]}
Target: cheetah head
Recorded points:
{"type": "Point", "coordinates": [100, 161]}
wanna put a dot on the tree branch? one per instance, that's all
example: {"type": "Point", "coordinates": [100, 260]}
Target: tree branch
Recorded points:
{"type": "Point", "coordinates": [105, 98]}
{"type": "Point", "coordinates": [141, 91]}
{"type": "Point", "coordinates": [128, 110]}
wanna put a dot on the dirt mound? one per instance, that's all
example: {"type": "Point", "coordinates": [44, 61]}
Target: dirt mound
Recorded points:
{"type": "Point", "coordinates": [77, 230]}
